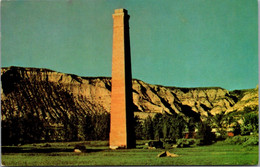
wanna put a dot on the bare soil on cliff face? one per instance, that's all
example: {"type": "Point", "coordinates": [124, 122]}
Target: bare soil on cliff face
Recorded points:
{"type": "Point", "coordinates": [53, 95]}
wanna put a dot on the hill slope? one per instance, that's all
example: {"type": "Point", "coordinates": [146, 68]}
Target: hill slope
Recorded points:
{"type": "Point", "coordinates": [53, 95]}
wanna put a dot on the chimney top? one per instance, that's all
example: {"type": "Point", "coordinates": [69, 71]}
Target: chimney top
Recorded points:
{"type": "Point", "coordinates": [121, 11]}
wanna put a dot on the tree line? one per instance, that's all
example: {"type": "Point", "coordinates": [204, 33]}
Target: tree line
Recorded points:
{"type": "Point", "coordinates": [30, 128]}
{"type": "Point", "coordinates": [171, 127]}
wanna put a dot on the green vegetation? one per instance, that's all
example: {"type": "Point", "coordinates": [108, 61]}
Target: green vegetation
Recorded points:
{"type": "Point", "coordinates": [250, 123]}
{"type": "Point", "coordinates": [28, 128]}
{"type": "Point", "coordinates": [98, 153]}
{"type": "Point", "coordinates": [243, 140]}
{"type": "Point", "coordinates": [96, 127]}
{"type": "Point", "coordinates": [25, 129]}
{"type": "Point", "coordinates": [182, 143]}
{"type": "Point", "coordinates": [172, 127]}
{"type": "Point", "coordinates": [223, 121]}
{"type": "Point", "coordinates": [27, 140]}
{"type": "Point", "coordinates": [161, 126]}
{"type": "Point", "coordinates": [204, 134]}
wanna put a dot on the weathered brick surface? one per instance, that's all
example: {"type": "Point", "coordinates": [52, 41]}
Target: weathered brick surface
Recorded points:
{"type": "Point", "coordinates": [121, 98]}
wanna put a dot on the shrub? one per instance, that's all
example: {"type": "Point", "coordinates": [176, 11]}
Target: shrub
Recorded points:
{"type": "Point", "coordinates": [252, 141]}
{"type": "Point", "coordinates": [250, 122]}
{"type": "Point", "coordinates": [243, 140]}
{"type": "Point", "coordinates": [236, 140]}
{"type": "Point", "coordinates": [181, 143]}
{"type": "Point", "coordinates": [199, 142]}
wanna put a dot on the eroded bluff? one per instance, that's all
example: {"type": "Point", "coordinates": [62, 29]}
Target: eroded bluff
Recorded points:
{"type": "Point", "coordinates": [52, 95]}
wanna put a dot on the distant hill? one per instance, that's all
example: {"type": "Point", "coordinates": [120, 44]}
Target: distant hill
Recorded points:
{"type": "Point", "coordinates": [51, 96]}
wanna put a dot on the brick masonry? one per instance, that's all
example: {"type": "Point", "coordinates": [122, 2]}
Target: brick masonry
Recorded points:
{"type": "Point", "coordinates": [121, 126]}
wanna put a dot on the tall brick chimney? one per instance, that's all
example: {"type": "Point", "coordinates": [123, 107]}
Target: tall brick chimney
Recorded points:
{"type": "Point", "coordinates": [121, 123]}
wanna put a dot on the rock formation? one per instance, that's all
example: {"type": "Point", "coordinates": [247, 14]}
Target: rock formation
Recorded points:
{"type": "Point", "coordinates": [53, 95]}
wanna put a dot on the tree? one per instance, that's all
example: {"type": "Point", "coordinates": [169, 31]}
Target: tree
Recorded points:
{"type": "Point", "coordinates": [176, 126]}
{"type": "Point", "coordinates": [218, 121]}
{"type": "Point", "coordinates": [158, 124]}
{"type": "Point", "coordinates": [168, 126]}
{"type": "Point", "coordinates": [138, 128]}
{"type": "Point", "coordinates": [88, 127]}
{"type": "Point", "coordinates": [22, 129]}
{"type": "Point", "coordinates": [204, 133]}
{"type": "Point", "coordinates": [191, 124]}
{"type": "Point", "coordinates": [250, 123]}
{"type": "Point", "coordinates": [148, 128]}
{"type": "Point", "coordinates": [101, 123]}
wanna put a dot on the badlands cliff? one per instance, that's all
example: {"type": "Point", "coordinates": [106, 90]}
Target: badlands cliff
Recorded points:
{"type": "Point", "coordinates": [52, 95]}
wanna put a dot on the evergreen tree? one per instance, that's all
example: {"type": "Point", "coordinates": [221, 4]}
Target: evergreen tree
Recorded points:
{"type": "Point", "coordinates": [204, 133]}
{"type": "Point", "coordinates": [158, 126]}
{"type": "Point", "coordinates": [148, 128]}
{"type": "Point", "coordinates": [138, 128]}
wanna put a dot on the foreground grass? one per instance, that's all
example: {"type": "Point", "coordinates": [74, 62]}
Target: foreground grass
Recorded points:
{"type": "Point", "coordinates": [98, 153]}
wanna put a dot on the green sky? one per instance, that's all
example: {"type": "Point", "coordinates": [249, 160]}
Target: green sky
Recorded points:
{"type": "Point", "coordinates": [184, 43]}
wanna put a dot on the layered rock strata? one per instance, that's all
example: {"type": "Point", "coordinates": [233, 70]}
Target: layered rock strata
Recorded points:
{"type": "Point", "coordinates": [53, 95]}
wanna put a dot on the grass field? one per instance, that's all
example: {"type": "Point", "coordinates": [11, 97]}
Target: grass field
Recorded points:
{"type": "Point", "coordinates": [98, 153]}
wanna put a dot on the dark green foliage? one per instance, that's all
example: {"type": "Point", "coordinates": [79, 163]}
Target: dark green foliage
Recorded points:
{"type": "Point", "coordinates": [22, 129]}
{"type": "Point", "coordinates": [222, 122]}
{"type": "Point", "coordinates": [148, 129]}
{"type": "Point", "coordinates": [236, 140]}
{"type": "Point", "coordinates": [204, 133]}
{"type": "Point", "coordinates": [243, 140]}
{"type": "Point", "coordinates": [237, 129]}
{"type": "Point", "coordinates": [158, 126]}
{"type": "Point", "coordinates": [182, 143]}
{"type": "Point", "coordinates": [138, 128]}
{"type": "Point", "coordinates": [163, 126]}
{"type": "Point", "coordinates": [71, 128]}
{"type": "Point", "coordinates": [87, 127]}
{"type": "Point", "coordinates": [174, 125]}
{"type": "Point", "coordinates": [156, 144]}
{"type": "Point", "coordinates": [219, 121]}
{"type": "Point", "coordinates": [90, 127]}
{"type": "Point", "coordinates": [191, 124]}
{"type": "Point", "coordinates": [250, 123]}
{"type": "Point", "coordinates": [101, 127]}
{"type": "Point", "coordinates": [252, 141]}
{"type": "Point", "coordinates": [29, 128]}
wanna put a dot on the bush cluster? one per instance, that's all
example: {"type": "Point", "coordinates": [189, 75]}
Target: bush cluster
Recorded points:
{"type": "Point", "coordinates": [182, 143]}
{"type": "Point", "coordinates": [250, 123]}
{"type": "Point", "coordinates": [252, 141]}
{"type": "Point", "coordinates": [243, 140]}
